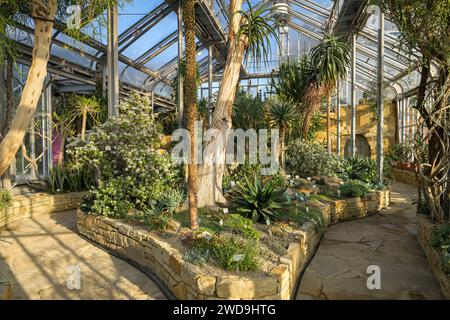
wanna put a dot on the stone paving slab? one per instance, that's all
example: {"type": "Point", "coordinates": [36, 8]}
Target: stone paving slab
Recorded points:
{"type": "Point", "coordinates": [36, 252]}
{"type": "Point", "coordinates": [339, 268]}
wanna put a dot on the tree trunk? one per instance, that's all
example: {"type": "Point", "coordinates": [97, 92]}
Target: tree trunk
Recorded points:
{"type": "Point", "coordinates": [8, 101]}
{"type": "Point", "coordinates": [191, 106]}
{"type": "Point", "coordinates": [213, 168]}
{"type": "Point", "coordinates": [329, 124]}
{"type": "Point", "coordinates": [44, 14]}
{"type": "Point", "coordinates": [282, 156]}
{"type": "Point", "coordinates": [311, 103]}
{"type": "Point", "coordinates": [83, 123]}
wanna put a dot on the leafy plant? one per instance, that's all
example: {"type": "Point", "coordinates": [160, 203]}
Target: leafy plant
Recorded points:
{"type": "Point", "coordinates": [6, 199]}
{"type": "Point", "coordinates": [123, 151]}
{"type": "Point", "coordinates": [63, 179]}
{"type": "Point", "coordinates": [228, 251]}
{"type": "Point", "coordinates": [171, 200]}
{"type": "Point", "coordinates": [305, 214]}
{"type": "Point", "coordinates": [242, 225]}
{"type": "Point", "coordinates": [440, 239]}
{"type": "Point", "coordinates": [354, 188]}
{"type": "Point", "coordinates": [281, 114]}
{"type": "Point", "coordinates": [247, 112]}
{"type": "Point", "coordinates": [360, 168]}
{"type": "Point", "coordinates": [400, 152]}
{"type": "Point", "coordinates": [308, 159]}
{"type": "Point", "coordinates": [259, 200]}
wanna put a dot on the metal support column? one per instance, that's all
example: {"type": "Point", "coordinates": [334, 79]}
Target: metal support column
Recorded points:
{"type": "Point", "coordinates": [113, 62]}
{"type": "Point", "coordinates": [402, 120]}
{"type": "Point", "coordinates": [210, 81]}
{"type": "Point", "coordinates": [380, 98]}
{"type": "Point", "coordinates": [180, 110]}
{"type": "Point", "coordinates": [353, 99]}
{"type": "Point", "coordinates": [338, 119]}
{"type": "Point", "coordinates": [406, 111]}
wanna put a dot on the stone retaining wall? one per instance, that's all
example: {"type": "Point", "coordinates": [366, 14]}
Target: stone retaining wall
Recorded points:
{"type": "Point", "coordinates": [405, 176]}
{"type": "Point", "coordinates": [188, 281]}
{"type": "Point", "coordinates": [27, 205]}
{"type": "Point", "coordinates": [424, 231]}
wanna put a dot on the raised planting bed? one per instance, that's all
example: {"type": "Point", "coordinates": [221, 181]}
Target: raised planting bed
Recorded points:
{"type": "Point", "coordinates": [405, 176]}
{"type": "Point", "coordinates": [424, 233]}
{"type": "Point", "coordinates": [27, 205]}
{"type": "Point", "coordinates": [165, 253]}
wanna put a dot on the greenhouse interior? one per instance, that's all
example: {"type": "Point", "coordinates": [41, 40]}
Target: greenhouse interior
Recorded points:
{"type": "Point", "coordinates": [225, 150]}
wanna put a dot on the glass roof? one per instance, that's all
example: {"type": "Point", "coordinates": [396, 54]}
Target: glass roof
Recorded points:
{"type": "Point", "coordinates": [148, 43]}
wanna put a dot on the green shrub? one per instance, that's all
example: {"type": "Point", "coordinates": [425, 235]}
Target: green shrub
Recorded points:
{"type": "Point", "coordinates": [399, 152]}
{"type": "Point", "coordinates": [360, 168]}
{"type": "Point", "coordinates": [6, 199]}
{"type": "Point", "coordinates": [354, 188]}
{"type": "Point", "coordinates": [132, 173]}
{"type": "Point", "coordinates": [243, 225]}
{"type": "Point", "coordinates": [241, 172]}
{"type": "Point", "coordinates": [261, 201]}
{"type": "Point", "coordinates": [302, 214]}
{"type": "Point", "coordinates": [440, 239]}
{"type": "Point", "coordinates": [63, 179]}
{"type": "Point", "coordinates": [248, 112]}
{"type": "Point", "coordinates": [228, 251]}
{"type": "Point", "coordinates": [309, 159]}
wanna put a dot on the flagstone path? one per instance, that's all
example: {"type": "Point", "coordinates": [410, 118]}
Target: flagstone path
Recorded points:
{"type": "Point", "coordinates": [38, 255]}
{"type": "Point", "coordinates": [388, 240]}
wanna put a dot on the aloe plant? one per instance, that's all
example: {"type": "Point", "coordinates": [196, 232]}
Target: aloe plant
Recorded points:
{"type": "Point", "coordinates": [261, 201]}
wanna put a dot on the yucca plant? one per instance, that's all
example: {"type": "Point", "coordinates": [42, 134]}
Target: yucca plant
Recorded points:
{"type": "Point", "coordinates": [281, 114]}
{"type": "Point", "coordinates": [330, 60]}
{"type": "Point", "coordinates": [259, 200]}
{"type": "Point", "coordinates": [257, 28]}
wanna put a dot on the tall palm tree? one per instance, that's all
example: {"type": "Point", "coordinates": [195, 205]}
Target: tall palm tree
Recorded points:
{"type": "Point", "coordinates": [281, 114]}
{"type": "Point", "coordinates": [190, 96]}
{"type": "Point", "coordinates": [330, 60]}
{"type": "Point", "coordinates": [306, 81]}
{"type": "Point", "coordinates": [249, 36]}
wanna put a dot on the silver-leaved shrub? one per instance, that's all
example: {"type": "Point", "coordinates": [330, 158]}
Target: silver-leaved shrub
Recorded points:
{"type": "Point", "coordinates": [132, 173]}
{"type": "Point", "coordinates": [307, 159]}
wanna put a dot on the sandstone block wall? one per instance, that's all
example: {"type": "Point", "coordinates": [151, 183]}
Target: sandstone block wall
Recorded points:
{"type": "Point", "coordinates": [27, 205]}
{"type": "Point", "coordinates": [188, 281]}
{"type": "Point", "coordinates": [424, 231]}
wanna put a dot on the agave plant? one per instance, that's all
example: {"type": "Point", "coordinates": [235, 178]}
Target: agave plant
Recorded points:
{"type": "Point", "coordinates": [281, 114]}
{"type": "Point", "coordinates": [259, 200]}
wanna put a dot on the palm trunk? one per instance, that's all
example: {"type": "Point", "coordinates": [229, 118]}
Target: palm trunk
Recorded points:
{"type": "Point", "coordinates": [44, 14]}
{"type": "Point", "coordinates": [311, 103]}
{"type": "Point", "coordinates": [83, 123]}
{"type": "Point", "coordinates": [282, 146]}
{"type": "Point", "coordinates": [329, 124]}
{"type": "Point", "coordinates": [191, 106]}
{"type": "Point", "coordinates": [213, 168]}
